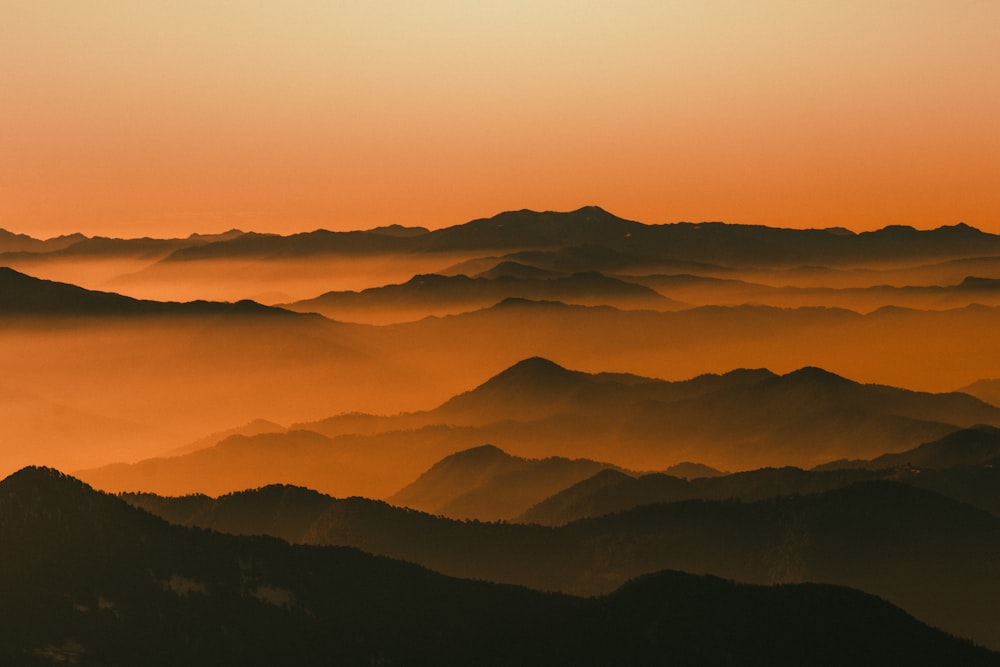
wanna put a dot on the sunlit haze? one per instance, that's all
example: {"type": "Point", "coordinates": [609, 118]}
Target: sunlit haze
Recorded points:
{"type": "Point", "coordinates": [129, 119]}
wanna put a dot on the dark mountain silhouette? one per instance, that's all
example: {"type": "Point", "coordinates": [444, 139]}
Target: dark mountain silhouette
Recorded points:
{"type": "Point", "coordinates": [80, 246]}
{"type": "Point", "coordinates": [255, 427]}
{"type": "Point", "coordinates": [88, 579]}
{"type": "Point", "coordinates": [691, 470]}
{"type": "Point", "coordinates": [399, 230]}
{"type": "Point", "coordinates": [961, 465]}
{"type": "Point", "coordinates": [972, 446]}
{"type": "Point", "coordinates": [433, 294]}
{"type": "Point", "coordinates": [510, 269]}
{"type": "Point", "coordinates": [605, 493]}
{"type": "Point", "coordinates": [899, 347]}
{"type": "Point", "coordinates": [537, 409]}
{"type": "Point", "coordinates": [536, 388]}
{"type": "Point", "coordinates": [591, 226]}
{"type": "Point", "coordinates": [931, 555]}
{"type": "Point", "coordinates": [487, 483]}
{"type": "Point", "coordinates": [22, 243]}
{"type": "Point", "coordinates": [985, 390]}
{"type": "Point", "coordinates": [710, 290]}
{"type": "Point", "coordinates": [23, 295]}
{"type": "Point", "coordinates": [306, 244]}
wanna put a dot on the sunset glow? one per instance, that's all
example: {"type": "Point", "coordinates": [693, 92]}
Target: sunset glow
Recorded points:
{"type": "Point", "coordinates": [130, 119]}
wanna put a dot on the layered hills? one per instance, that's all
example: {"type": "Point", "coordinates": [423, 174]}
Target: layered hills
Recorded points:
{"type": "Point", "coordinates": [929, 554]}
{"type": "Point", "coordinates": [89, 579]}
{"type": "Point", "coordinates": [743, 419]}
{"type": "Point", "coordinates": [818, 364]}
{"type": "Point", "coordinates": [433, 294]}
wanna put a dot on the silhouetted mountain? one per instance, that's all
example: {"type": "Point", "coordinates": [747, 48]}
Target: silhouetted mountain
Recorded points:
{"type": "Point", "coordinates": [488, 484]}
{"type": "Point", "coordinates": [899, 347]}
{"type": "Point", "coordinates": [399, 230]}
{"type": "Point", "coordinates": [88, 579]}
{"type": "Point", "coordinates": [22, 243]}
{"type": "Point", "coordinates": [306, 244]}
{"type": "Point", "coordinates": [606, 494]}
{"type": "Point", "coordinates": [635, 242]}
{"type": "Point", "coordinates": [516, 270]}
{"type": "Point", "coordinates": [536, 388]}
{"type": "Point", "coordinates": [971, 446]}
{"type": "Point", "coordinates": [700, 290]}
{"type": "Point", "coordinates": [255, 427]}
{"type": "Point", "coordinates": [438, 295]}
{"type": "Point", "coordinates": [22, 295]}
{"type": "Point", "coordinates": [984, 390]}
{"type": "Point", "coordinates": [538, 409]}
{"type": "Point", "coordinates": [931, 555]}
{"type": "Point", "coordinates": [689, 470]}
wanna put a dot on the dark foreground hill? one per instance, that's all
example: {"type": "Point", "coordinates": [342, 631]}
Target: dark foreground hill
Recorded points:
{"type": "Point", "coordinates": [931, 555]}
{"type": "Point", "coordinates": [88, 579]}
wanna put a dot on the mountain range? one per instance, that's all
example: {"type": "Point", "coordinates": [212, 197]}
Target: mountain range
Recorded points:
{"type": "Point", "coordinates": [592, 226]}
{"type": "Point", "coordinates": [741, 420]}
{"type": "Point", "coordinates": [929, 554]}
{"type": "Point", "coordinates": [91, 580]}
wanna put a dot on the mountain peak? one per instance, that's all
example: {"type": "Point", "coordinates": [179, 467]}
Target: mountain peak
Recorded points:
{"type": "Point", "coordinates": [814, 374]}
{"type": "Point", "coordinates": [35, 476]}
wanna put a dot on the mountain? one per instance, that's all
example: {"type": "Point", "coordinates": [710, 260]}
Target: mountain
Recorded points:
{"type": "Point", "coordinates": [536, 388]}
{"type": "Point", "coordinates": [900, 347]}
{"type": "Point", "coordinates": [701, 290]}
{"type": "Point", "coordinates": [984, 390]}
{"type": "Point", "coordinates": [22, 243]}
{"type": "Point", "coordinates": [22, 295]}
{"type": "Point", "coordinates": [971, 446]}
{"type": "Point", "coordinates": [488, 484]}
{"type": "Point", "coordinates": [433, 294]}
{"type": "Point", "coordinates": [592, 226]}
{"type": "Point", "coordinates": [607, 493]}
{"type": "Point", "coordinates": [255, 427]}
{"type": "Point", "coordinates": [690, 470]}
{"type": "Point", "coordinates": [22, 247]}
{"type": "Point", "coordinates": [931, 555]}
{"type": "Point", "coordinates": [88, 579]}
{"type": "Point", "coordinates": [537, 409]}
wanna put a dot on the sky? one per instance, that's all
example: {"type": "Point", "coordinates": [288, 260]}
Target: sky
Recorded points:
{"type": "Point", "coordinates": [167, 117]}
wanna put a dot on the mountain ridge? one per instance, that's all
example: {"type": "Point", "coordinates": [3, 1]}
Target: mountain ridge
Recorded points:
{"type": "Point", "coordinates": [111, 573]}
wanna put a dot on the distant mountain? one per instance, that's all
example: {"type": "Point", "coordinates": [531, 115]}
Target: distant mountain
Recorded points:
{"type": "Point", "coordinates": [607, 493]}
{"type": "Point", "coordinates": [439, 295]}
{"type": "Point", "coordinates": [931, 555]}
{"type": "Point", "coordinates": [14, 243]}
{"type": "Point", "coordinates": [753, 415]}
{"type": "Point", "coordinates": [538, 409]}
{"type": "Point", "coordinates": [88, 579]}
{"type": "Point", "coordinates": [709, 290]}
{"type": "Point", "coordinates": [511, 269]}
{"type": "Point", "coordinates": [399, 230]}
{"type": "Point", "coordinates": [23, 295]}
{"type": "Point", "coordinates": [962, 465]}
{"type": "Point", "coordinates": [22, 247]}
{"type": "Point", "coordinates": [488, 484]}
{"type": "Point", "coordinates": [255, 427]}
{"type": "Point", "coordinates": [635, 242]}
{"type": "Point", "coordinates": [971, 446]}
{"type": "Point", "coordinates": [892, 346]}
{"type": "Point", "coordinates": [690, 470]}
{"type": "Point", "coordinates": [536, 388]}
{"type": "Point", "coordinates": [985, 390]}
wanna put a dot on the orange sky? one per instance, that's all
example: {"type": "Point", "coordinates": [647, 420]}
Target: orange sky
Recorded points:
{"type": "Point", "coordinates": [163, 118]}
